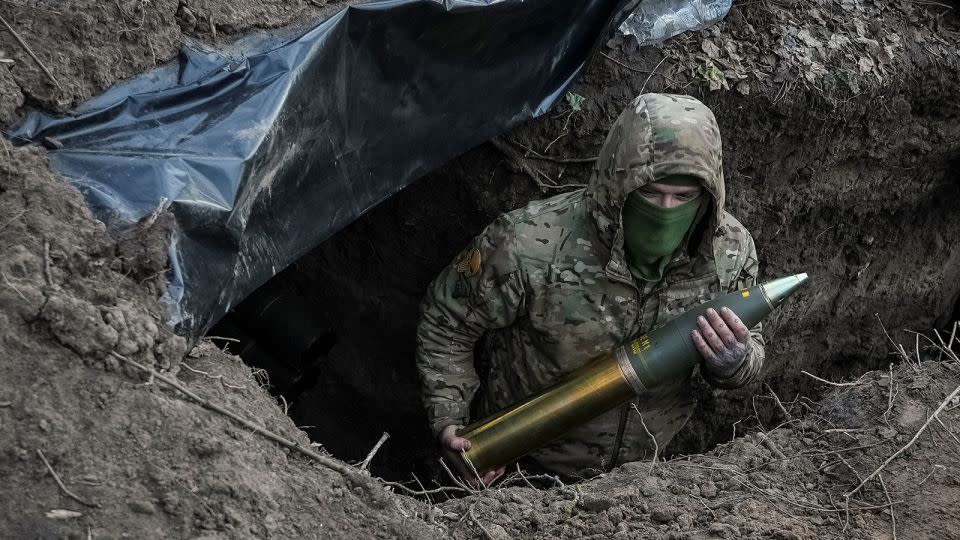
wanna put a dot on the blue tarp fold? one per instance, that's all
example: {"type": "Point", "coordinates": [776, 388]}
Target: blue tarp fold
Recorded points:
{"type": "Point", "coordinates": [262, 158]}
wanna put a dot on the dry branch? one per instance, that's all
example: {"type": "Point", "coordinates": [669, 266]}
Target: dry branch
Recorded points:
{"type": "Point", "coordinates": [29, 51]}
{"type": "Point", "coordinates": [279, 439]}
{"type": "Point", "coordinates": [60, 483]}
{"type": "Point", "coordinates": [373, 452]}
{"type": "Point", "coordinates": [656, 447]}
{"type": "Point", "coordinates": [831, 383]}
{"type": "Point", "coordinates": [893, 518]}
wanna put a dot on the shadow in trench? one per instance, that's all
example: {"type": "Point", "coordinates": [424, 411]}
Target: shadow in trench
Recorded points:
{"type": "Point", "coordinates": [336, 331]}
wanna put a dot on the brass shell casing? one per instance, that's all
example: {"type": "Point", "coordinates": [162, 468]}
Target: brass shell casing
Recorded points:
{"type": "Point", "coordinates": [648, 361]}
{"type": "Point", "coordinates": [582, 395]}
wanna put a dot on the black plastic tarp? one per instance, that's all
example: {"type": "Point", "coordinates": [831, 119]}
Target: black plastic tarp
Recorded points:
{"type": "Point", "coordinates": [262, 158]}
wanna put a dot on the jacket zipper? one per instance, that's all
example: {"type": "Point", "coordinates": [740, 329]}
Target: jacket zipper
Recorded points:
{"type": "Point", "coordinates": [625, 409]}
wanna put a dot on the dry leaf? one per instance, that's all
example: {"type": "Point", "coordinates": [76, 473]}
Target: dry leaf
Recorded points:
{"type": "Point", "coordinates": [837, 41]}
{"type": "Point", "coordinates": [804, 36]}
{"type": "Point", "coordinates": [710, 48]}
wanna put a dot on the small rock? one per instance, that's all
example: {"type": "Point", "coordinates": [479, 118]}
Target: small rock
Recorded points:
{"type": "Point", "coordinates": [143, 507]}
{"type": "Point", "coordinates": [664, 514]}
{"type": "Point", "coordinates": [594, 503]}
{"type": "Point", "coordinates": [649, 487]}
{"type": "Point", "coordinates": [63, 514]}
{"type": "Point", "coordinates": [887, 433]}
{"type": "Point", "coordinates": [724, 530]}
{"type": "Point", "coordinates": [708, 489]}
{"type": "Point", "coordinates": [170, 502]}
{"type": "Point", "coordinates": [497, 532]}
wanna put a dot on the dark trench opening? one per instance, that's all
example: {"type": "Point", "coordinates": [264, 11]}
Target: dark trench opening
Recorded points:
{"type": "Point", "coordinates": [336, 331]}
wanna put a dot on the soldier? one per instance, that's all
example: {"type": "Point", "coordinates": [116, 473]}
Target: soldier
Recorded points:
{"type": "Point", "coordinates": [547, 287]}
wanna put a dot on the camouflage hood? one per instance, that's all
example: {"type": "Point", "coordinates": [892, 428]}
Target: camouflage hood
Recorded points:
{"type": "Point", "coordinates": [656, 136]}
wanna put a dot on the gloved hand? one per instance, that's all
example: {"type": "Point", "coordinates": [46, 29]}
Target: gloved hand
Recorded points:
{"type": "Point", "coordinates": [452, 447]}
{"type": "Point", "coordinates": [723, 340]}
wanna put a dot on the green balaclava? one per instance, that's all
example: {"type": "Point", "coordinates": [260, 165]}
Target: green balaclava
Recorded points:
{"type": "Point", "coordinates": [651, 233]}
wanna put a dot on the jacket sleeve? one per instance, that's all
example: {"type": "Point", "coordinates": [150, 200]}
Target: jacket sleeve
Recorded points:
{"type": "Point", "coordinates": [746, 276]}
{"type": "Point", "coordinates": [481, 290]}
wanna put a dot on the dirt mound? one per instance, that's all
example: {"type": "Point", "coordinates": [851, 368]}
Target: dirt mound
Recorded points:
{"type": "Point", "coordinates": [789, 482]}
{"type": "Point", "coordinates": [145, 461]}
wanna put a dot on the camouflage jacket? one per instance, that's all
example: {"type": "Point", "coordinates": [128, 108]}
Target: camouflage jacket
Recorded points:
{"type": "Point", "coordinates": [546, 288]}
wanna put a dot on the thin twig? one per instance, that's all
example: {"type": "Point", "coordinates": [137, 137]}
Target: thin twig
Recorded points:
{"type": "Point", "coordinates": [473, 517]}
{"type": "Point", "coordinates": [893, 518]}
{"type": "Point", "coordinates": [642, 88]}
{"type": "Point", "coordinates": [330, 463]}
{"type": "Point", "coordinates": [929, 474]}
{"type": "Point", "coordinates": [523, 476]}
{"type": "Point", "coordinates": [454, 478]}
{"type": "Point", "coordinates": [831, 383]}
{"type": "Point", "coordinates": [889, 397]}
{"type": "Point", "coordinates": [533, 154]}
{"type": "Point", "coordinates": [427, 492]}
{"type": "Point", "coordinates": [12, 286]}
{"type": "Point", "coordinates": [14, 218]}
{"type": "Point", "coordinates": [890, 339]}
{"type": "Point", "coordinates": [851, 467]}
{"type": "Point", "coordinates": [219, 378]}
{"type": "Point", "coordinates": [909, 444]}
{"type": "Point", "coordinates": [621, 64]}
{"type": "Point", "coordinates": [945, 428]}
{"type": "Point", "coordinates": [776, 399]}
{"type": "Point", "coordinates": [563, 130]}
{"type": "Point", "coordinates": [945, 348]}
{"type": "Point", "coordinates": [769, 444]}
{"type": "Point", "coordinates": [373, 452]}
{"type": "Point", "coordinates": [63, 487]}
{"type": "Point", "coordinates": [26, 48]}
{"type": "Point", "coordinates": [656, 446]}
{"type": "Point", "coordinates": [520, 161]}
{"type": "Point", "coordinates": [230, 339]}
{"type": "Point", "coordinates": [463, 455]}
{"type": "Point", "coordinates": [47, 266]}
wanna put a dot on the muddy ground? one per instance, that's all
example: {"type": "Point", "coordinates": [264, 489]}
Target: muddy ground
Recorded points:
{"type": "Point", "coordinates": [841, 133]}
